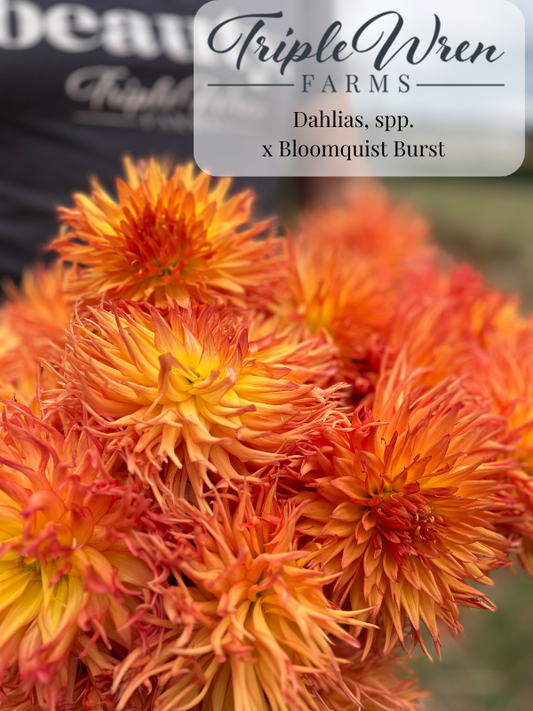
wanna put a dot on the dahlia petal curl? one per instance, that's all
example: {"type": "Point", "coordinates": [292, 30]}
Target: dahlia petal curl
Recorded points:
{"type": "Point", "coordinates": [195, 394]}
{"type": "Point", "coordinates": [401, 506]}
{"type": "Point", "coordinates": [246, 626]}
{"type": "Point", "coordinates": [169, 234]}
{"type": "Point", "coordinates": [67, 569]}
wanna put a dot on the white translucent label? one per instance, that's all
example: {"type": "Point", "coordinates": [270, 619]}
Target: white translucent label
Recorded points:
{"type": "Point", "coordinates": [346, 88]}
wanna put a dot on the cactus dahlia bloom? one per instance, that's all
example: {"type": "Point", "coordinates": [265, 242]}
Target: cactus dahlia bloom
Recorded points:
{"type": "Point", "coordinates": [38, 312]}
{"type": "Point", "coordinates": [372, 226]}
{"type": "Point", "coordinates": [505, 376]}
{"type": "Point", "coordinates": [66, 571]}
{"type": "Point", "coordinates": [195, 389]}
{"type": "Point", "coordinates": [442, 324]}
{"type": "Point", "coordinates": [89, 687]}
{"type": "Point", "coordinates": [169, 234]}
{"type": "Point", "coordinates": [400, 507]}
{"type": "Point", "coordinates": [330, 288]}
{"type": "Point", "coordinates": [446, 323]}
{"type": "Point", "coordinates": [344, 268]}
{"type": "Point", "coordinates": [251, 629]}
{"type": "Point", "coordinates": [32, 328]}
{"type": "Point", "coordinates": [11, 355]}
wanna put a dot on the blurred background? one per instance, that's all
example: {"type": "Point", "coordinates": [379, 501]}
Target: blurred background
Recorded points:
{"type": "Point", "coordinates": [490, 668]}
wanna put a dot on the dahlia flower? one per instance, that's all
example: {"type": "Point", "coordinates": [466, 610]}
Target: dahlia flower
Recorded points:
{"type": "Point", "coordinates": [38, 312]}
{"type": "Point", "coordinates": [173, 347]}
{"type": "Point", "coordinates": [248, 627]}
{"type": "Point", "coordinates": [89, 685]}
{"type": "Point", "coordinates": [454, 324]}
{"type": "Point", "coordinates": [33, 325]}
{"type": "Point", "coordinates": [505, 377]}
{"type": "Point", "coordinates": [371, 225]}
{"type": "Point", "coordinates": [169, 234]}
{"type": "Point", "coordinates": [343, 271]}
{"type": "Point", "coordinates": [11, 355]}
{"type": "Point", "coordinates": [400, 506]}
{"type": "Point", "coordinates": [375, 681]}
{"type": "Point", "coordinates": [194, 390]}
{"type": "Point", "coordinates": [331, 289]}
{"type": "Point", "coordinates": [444, 322]}
{"type": "Point", "coordinates": [67, 571]}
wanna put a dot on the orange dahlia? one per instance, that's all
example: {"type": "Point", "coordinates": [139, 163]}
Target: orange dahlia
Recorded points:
{"type": "Point", "coordinates": [400, 506]}
{"type": "Point", "coordinates": [38, 312]}
{"type": "Point", "coordinates": [379, 683]}
{"type": "Point", "coordinates": [505, 377]}
{"type": "Point", "coordinates": [344, 268]}
{"type": "Point", "coordinates": [196, 390]}
{"type": "Point", "coordinates": [453, 323]}
{"type": "Point", "coordinates": [371, 225]}
{"type": "Point", "coordinates": [11, 355]}
{"type": "Point", "coordinates": [67, 573]}
{"type": "Point", "coordinates": [169, 234]}
{"type": "Point", "coordinates": [89, 688]}
{"type": "Point", "coordinates": [331, 289]}
{"type": "Point", "coordinates": [32, 329]}
{"type": "Point", "coordinates": [443, 321]}
{"type": "Point", "coordinates": [247, 627]}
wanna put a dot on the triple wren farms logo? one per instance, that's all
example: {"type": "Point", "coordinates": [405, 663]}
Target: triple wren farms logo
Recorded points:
{"type": "Point", "coordinates": [420, 88]}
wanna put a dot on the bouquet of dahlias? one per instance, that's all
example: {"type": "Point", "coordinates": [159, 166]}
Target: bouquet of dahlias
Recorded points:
{"type": "Point", "coordinates": [242, 471]}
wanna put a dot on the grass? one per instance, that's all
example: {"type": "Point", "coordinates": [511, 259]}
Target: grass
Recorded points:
{"type": "Point", "coordinates": [489, 668]}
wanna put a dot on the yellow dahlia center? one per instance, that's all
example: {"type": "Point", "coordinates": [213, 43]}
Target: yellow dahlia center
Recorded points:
{"type": "Point", "coordinates": [29, 565]}
{"type": "Point", "coordinates": [204, 377]}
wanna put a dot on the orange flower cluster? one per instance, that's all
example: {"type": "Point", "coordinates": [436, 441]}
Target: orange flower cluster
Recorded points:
{"type": "Point", "coordinates": [242, 472]}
